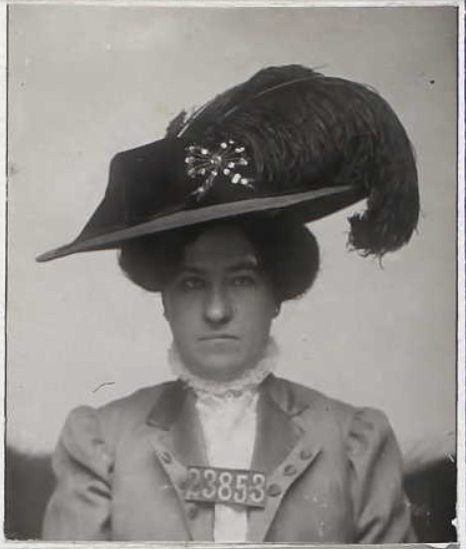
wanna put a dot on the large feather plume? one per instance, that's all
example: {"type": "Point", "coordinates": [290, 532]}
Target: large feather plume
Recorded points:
{"type": "Point", "coordinates": [306, 131]}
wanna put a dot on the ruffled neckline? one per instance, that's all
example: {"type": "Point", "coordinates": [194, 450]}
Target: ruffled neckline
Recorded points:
{"type": "Point", "coordinates": [246, 383]}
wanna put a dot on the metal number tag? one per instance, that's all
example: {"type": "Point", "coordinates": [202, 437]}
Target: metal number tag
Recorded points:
{"type": "Point", "coordinates": [231, 486]}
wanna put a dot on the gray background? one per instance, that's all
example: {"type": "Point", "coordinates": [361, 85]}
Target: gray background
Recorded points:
{"type": "Point", "coordinates": [87, 81]}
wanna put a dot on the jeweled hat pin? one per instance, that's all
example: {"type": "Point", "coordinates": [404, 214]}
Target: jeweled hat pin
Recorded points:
{"type": "Point", "coordinates": [288, 139]}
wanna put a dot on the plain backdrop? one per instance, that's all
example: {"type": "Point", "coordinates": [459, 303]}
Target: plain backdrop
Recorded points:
{"type": "Point", "coordinates": [88, 81]}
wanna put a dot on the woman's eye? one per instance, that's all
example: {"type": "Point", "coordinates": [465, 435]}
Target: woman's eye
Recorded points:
{"type": "Point", "coordinates": [243, 280]}
{"type": "Point", "coordinates": [192, 283]}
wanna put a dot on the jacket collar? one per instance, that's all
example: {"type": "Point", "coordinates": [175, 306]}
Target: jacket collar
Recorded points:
{"type": "Point", "coordinates": [278, 427]}
{"type": "Point", "coordinates": [171, 401]}
{"type": "Point", "coordinates": [168, 405]}
{"type": "Point", "coordinates": [285, 396]}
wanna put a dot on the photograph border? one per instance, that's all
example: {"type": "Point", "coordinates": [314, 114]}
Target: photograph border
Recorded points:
{"type": "Point", "coordinates": [225, 4]}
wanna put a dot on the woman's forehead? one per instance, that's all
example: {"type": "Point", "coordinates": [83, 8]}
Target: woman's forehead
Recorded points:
{"type": "Point", "coordinates": [220, 246]}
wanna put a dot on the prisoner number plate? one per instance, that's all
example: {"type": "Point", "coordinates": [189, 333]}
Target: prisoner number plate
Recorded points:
{"type": "Point", "coordinates": [230, 486]}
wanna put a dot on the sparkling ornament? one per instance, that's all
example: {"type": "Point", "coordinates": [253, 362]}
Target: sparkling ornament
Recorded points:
{"type": "Point", "coordinates": [226, 157]}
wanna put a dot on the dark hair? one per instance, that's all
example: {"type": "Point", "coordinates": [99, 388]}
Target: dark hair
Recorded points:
{"type": "Point", "coordinates": [287, 252]}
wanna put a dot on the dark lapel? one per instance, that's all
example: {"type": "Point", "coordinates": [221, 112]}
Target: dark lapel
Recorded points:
{"type": "Point", "coordinates": [178, 431]}
{"type": "Point", "coordinates": [281, 439]}
{"type": "Point", "coordinates": [175, 413]}
{"type": "Point", "coordinates": [277, 434]}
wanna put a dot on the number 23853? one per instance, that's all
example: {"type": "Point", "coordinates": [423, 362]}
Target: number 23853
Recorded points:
{"type": "Point", "coordinates": [230, 486]}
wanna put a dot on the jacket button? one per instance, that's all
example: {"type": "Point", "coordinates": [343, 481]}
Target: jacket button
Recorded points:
{"type": "Point", "coordinates": [305, 454]}
{"type": "Point", "coordinates": [191, 510]}
{"type": "Point", "coordinates": [290, 470]}
{"type": "Point", "coordinates": [274, 490]}
{"type": "Point", "coordinates": [166, 457]}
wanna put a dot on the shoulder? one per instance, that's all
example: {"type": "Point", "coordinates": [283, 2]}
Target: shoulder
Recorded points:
{"type": "Point", "coordinates": [135, 405]}
{"type": "Point", "coordinates": [297, 398]}
{"type": "Point", "coordinates": [110, 422]}
{"type": "Point", "coordinates": [361, 425]}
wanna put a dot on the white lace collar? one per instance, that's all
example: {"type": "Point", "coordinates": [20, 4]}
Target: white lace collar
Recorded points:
{"type": "Point", "coordinates": [248, 381]}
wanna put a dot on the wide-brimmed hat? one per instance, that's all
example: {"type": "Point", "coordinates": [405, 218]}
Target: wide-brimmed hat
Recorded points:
{"type": "Point", "coordinates": [288, 139]}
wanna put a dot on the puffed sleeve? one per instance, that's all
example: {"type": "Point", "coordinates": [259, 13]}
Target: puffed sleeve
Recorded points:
{"type": "Point", "coordinates": [381, 510]}
{"type": "Point", "coordinates": [79, 508]}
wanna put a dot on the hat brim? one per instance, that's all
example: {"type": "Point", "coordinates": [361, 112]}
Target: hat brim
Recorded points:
{"type": "Point", "coordinates": [344, 195]}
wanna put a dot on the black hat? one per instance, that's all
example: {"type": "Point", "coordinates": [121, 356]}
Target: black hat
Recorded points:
{"type": "Point", "coordinates": [289, 139]}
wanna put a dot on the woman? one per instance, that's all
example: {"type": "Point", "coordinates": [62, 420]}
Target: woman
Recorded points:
{"type": "Point", "coordinates": [212, 216]}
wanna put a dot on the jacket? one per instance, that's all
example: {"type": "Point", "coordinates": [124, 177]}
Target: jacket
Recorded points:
{"type": "Point", "coordinates": [334, 472]}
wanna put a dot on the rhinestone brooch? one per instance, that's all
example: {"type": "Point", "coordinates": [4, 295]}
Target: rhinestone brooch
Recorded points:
{"type": "Point", "coordinates": [228, 158]}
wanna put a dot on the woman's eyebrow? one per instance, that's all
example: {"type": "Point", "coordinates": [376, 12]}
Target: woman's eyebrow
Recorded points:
{"type": "Point", "coordinates": [250, 263]}
{"type": "Point", "coordinates": [191, 269]}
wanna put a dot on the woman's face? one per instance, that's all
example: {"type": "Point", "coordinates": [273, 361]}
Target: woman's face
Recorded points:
{"type": "Point", "coordinates": [220, 305]}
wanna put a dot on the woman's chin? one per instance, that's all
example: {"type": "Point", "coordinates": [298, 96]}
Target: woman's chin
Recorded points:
{"type": "Point", "coordinates": [221, 369]}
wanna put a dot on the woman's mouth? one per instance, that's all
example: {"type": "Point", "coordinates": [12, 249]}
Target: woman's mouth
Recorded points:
{"type": "Point", "coordinates": [218, 337]}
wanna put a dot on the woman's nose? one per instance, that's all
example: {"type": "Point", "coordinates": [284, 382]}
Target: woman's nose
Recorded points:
{"type": "Point", "coordinates": [218, 307]}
